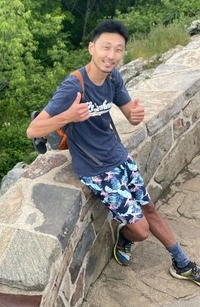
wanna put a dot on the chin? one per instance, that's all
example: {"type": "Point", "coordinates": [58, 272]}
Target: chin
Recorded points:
{"type": "Point", "coordinates": [107, 71]}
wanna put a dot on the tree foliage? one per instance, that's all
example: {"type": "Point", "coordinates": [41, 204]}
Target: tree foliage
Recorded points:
{"type": "Point", "coordinates": [147, 14]}
{"type": "Point", "coordinates": [88, 13]}
{"type": "Point", "coordinates": [41, 41]}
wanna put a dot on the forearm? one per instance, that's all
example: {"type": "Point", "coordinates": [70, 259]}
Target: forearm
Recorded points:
{"type": "Point", "coordinates": [133, 111]}
{"type": "Point", "coordinates": [41, 126]}
{"type": "Point", "coordinates": [44, 124]}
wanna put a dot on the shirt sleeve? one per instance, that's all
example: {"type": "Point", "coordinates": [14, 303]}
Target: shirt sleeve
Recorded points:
{"type": "Point", "coordinates": [64, 96]}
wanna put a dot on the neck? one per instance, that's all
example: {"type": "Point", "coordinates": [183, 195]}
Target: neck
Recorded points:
{"type": "Point", "coordinates": [95, 74]}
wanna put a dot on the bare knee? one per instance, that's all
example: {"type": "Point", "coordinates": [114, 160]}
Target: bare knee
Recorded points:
{"type": "Point", "coordinates": [141, 235]}
{"type": "Point", "coordinates": [138, 231]}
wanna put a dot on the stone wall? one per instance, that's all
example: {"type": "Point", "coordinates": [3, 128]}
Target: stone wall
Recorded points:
{"type": "Point", "coordinates": [56, 237]}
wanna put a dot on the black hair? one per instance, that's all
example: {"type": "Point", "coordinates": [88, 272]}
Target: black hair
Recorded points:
{"type": "Point", "coordinates": [110, 26]}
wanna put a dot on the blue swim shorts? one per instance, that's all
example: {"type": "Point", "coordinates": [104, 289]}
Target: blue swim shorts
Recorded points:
{"type": "Point", "coordinates": [122, 190]}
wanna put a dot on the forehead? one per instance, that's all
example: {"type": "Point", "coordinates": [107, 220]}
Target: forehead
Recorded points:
{"type": "Point", "coordinates": [111, 38]}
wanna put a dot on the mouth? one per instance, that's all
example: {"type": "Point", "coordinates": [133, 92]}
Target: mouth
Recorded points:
{"type": "Point", "coordinates": [108, 64]}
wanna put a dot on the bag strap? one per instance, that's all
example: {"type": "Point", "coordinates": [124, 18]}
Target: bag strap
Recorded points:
{"type": "Point", "coordinates": [78, 74]}
{"type": "Point", "coordinates": [115, 129]}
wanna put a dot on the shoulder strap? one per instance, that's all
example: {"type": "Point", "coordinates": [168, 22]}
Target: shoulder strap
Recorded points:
{"type": "Point", "coordinates": [112, 79]}
{"type": "Point", "coordinates": [78, 74]}
{"type": "Point", "coordinates": [115, 129]}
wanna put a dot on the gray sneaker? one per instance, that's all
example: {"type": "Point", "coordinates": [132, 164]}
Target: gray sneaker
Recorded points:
{"type": "Point", "coordinates": [190, 272]}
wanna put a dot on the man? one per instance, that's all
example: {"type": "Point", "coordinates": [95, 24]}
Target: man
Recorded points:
{"type": "Point", "coordinates": [113, 175]}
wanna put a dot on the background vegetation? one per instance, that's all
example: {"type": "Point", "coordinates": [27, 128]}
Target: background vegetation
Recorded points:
{"type": "Point", "coordinates": [41, 41]}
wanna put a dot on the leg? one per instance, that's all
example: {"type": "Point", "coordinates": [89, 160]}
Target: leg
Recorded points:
{"type": "Point", "coordinates": [113, 189]}
{"type": "Point", "coordinates": [158, 226]}
{"type": "Point", "coordinates": [160, 229]}
{"type": "Point", "coordinates": [153, 222]}
{"type": "Point", "coordinates": [148, 220]}
{"type": "Point", "coordinates": [123, 191]}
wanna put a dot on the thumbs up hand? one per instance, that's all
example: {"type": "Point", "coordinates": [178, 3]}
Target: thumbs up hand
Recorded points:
{"type": "Point", "coordinates": [137, 113]}
{"type": "Point", "coordinates": [78, 112]}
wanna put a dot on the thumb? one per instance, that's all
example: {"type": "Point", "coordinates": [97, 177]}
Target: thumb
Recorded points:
{"type": "Point", "coordinates": [78, 98]}
{"type": "Point", "coordinates": [135, 103]}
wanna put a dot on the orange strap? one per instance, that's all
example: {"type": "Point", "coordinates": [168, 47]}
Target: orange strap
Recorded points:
{"type": "Point", "coordinates": [80, 77]}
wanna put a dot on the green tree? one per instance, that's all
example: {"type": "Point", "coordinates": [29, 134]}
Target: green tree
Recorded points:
{"type": "Point", "coordinates": [88, 13]}
{"type": "Point", "coordinates": [144, 15]}
{"type": "Point", "coordinates": [26, 81]}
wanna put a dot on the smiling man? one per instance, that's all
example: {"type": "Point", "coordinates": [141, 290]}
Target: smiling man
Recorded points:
{"type": "Point", "coordinates": [113, 175]}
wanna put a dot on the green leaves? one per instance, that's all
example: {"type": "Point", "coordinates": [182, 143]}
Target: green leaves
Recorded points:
{"type": "Point", "coordinates": [141, 17]}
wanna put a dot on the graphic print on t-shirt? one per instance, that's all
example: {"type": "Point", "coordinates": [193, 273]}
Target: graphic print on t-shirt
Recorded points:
{"type": "Point", "coordinates": [98, 110]}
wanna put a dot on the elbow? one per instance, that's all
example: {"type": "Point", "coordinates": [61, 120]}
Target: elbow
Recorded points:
{"type": "Point", "coordinates": [29, 133]}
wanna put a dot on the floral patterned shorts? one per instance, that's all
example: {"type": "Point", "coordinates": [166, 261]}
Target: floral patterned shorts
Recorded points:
{"type": "Point", "coordinates": [122, 190]}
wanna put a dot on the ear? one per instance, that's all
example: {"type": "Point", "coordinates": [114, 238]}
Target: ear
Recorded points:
{"type": "Point", "coordinates": [91, 48]}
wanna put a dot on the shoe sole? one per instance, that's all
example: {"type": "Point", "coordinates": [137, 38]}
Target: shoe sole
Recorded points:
{"type": "Point", "coordinates": [115, 246]}
{"type": "Point", "coordinates": [174, 274]}
{"type": "Point", "coordinates": [34, 114]}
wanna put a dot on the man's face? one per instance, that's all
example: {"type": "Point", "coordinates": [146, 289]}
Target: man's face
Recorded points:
{"type": "Point", "coordinates": [107, 51]}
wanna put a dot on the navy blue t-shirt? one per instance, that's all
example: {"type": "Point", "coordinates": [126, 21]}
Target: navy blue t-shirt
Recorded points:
{"type": "Point", "coordinates": [94, 135]}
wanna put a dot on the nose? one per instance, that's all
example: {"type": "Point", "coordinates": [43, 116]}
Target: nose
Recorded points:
{"type": "Point", "coordinates": [111, 53]}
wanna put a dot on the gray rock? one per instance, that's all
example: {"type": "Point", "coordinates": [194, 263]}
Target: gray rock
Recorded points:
{"type": "Point", "coordinates": [194, 28]}
{"type": "Point", "coordinates": [11, 177]}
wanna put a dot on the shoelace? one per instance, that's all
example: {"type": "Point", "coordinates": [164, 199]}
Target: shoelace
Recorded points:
{"type": "Point", "coordinates": [195, 268]}
{"type": "Point", "coordinates": [125, 244]}
{"type": "Point", "coordinates": [127, 247]}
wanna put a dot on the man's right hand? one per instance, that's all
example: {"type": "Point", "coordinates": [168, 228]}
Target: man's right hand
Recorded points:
{"type": "Point", "coordinates": [78, 112]}
{"type": "Point", "coordinates": [44, 124]}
